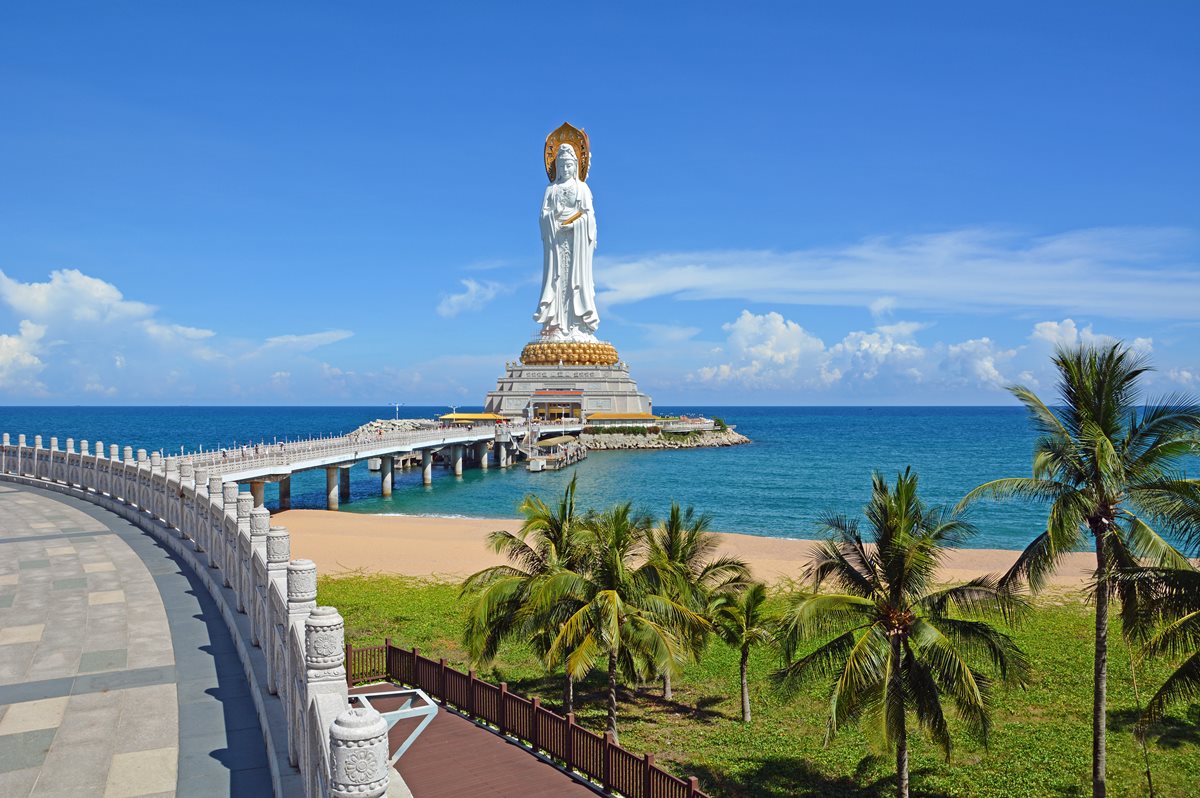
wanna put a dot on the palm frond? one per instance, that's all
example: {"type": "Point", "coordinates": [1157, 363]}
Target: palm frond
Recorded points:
{"type": "Point", "coordinates": [1182, 685]}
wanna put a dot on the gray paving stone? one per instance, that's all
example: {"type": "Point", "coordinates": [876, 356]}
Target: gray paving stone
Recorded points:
{"type": "Point", "coordinates": [106, 660]}
{"type": "Point", "coordinates": [28, 565]}
{"type": "Point", "coordinates": [117, 680]}
{"type": "Point", "coordinates": [6, 601]}
{"type": "Point", "coordinates": [167, 616]}
{"type": "Point", "coordinates": [75, 769]}
{"type": "Point", "coordinates": [18, 783]}
{"type": "Point", "coordinates": [70, 584]}
{"type": "Point", "coordinates": [24, 750]}
{"type": "Point", "coordinates": [35, 691]}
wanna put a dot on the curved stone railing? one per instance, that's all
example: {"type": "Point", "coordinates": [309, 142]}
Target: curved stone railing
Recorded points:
{"type": "Point", "coordinates": [291, 650]}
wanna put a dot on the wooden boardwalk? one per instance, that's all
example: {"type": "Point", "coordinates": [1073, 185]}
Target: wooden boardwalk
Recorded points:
{"type": "Point", "coordinates": [454, 758]}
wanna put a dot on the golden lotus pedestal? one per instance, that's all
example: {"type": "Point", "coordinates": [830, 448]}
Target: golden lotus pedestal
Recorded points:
{"type": "Point", "coordinates": [552, 353]}
{"type": "Point", "coordinates": [564, 377]}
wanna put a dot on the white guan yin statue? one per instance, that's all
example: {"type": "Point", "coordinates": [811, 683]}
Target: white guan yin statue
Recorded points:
{"type": "Point", "coordinates": [567, 307]}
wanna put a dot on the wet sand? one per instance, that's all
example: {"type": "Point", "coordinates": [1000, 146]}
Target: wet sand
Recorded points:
{"type": "Point", "coordinates": [452, 548]}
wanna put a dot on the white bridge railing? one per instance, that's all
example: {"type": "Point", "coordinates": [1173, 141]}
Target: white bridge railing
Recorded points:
{"type": "Point", "coordinates": [266, 459]}
{"type": "Point", "coordinates": [283, 455]}
{"type": "Point", "coordinates": [291, 649]}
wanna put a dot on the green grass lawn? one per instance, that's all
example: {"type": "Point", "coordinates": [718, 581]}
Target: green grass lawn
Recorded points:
{"type": "Point", "coordinates": [1040, 746]}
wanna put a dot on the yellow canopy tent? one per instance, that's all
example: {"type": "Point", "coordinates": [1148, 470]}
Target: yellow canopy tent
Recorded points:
{"type": "Point", "coordinates": [470, 418]}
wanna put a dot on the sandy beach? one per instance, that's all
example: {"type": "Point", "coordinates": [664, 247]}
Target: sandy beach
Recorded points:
{"type": "Point", "coordinates": [452, 548]}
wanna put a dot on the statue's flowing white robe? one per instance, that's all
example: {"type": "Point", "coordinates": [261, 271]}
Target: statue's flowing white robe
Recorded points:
{"type": "Point", "coordinates": [567, 308]}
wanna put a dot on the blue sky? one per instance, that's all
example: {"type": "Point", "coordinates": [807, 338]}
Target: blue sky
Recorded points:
{"type": "Point", "coordinates": [801, 203]}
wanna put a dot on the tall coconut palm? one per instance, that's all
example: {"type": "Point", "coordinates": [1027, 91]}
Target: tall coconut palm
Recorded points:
{"type": "Point", "coordinates": [899, 644]}
{"type": "Point", "coordinates": [623, 617]}
{"type": "Point", "coordinates": [740, 618]}
{"type": "Point", "coordinates": [1110, 470]}
{"type": "Point", "coordinates": [682, 555]}
{"type": "Point", "coordinates": [550, 539]}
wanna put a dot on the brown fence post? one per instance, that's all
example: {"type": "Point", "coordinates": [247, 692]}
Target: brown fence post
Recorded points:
{"type": "Point", "coordinates": [442, 679]}
{"type": "Point", "coordinates": [471, 693]}
{"type": "Point", "coordinates": [533, 724]}
{"type": "Point", "coordinates": [502, 707]}
{"type": "Point", "coordinates": [349, 666]}
{"type": "Point", "coordinates": [570, 742]}
{"type": "Point", "coordinates": [649, 760]}
{"type": "Point", "coordinates": [416, 655]}
{"type": "Point", "coordinates": [609, 744]}
{"type": "Point", "coordinates": [693, 787]}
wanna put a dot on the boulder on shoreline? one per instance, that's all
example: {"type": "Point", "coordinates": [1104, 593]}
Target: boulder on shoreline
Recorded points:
{"type": "Point", "coordinates": [385, 426]}
{"type": "Point", "coordinates": [692, 440]}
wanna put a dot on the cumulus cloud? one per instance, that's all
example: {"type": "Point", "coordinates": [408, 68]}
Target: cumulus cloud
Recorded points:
{"type": "Point", "coordinates": [1138, 273]}
{"type": "Point", "coordinates": [475, 296]}
{"type": "Point", "coordinates": [1185, 377]}
{"type": "Point", "coordinates": [19, 360]}
{"type": "Point", "coordinates": [1068, 333]}
{"type": "Point", "coordinates": [80, 334]}
{"type": "Point", "coordinates": [70, 294]}
{"type": "Point", "coordinates": [769, 351]}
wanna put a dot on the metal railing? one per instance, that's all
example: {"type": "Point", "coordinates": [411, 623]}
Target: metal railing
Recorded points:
{"type": "Point", "coordinates": [595, 757]}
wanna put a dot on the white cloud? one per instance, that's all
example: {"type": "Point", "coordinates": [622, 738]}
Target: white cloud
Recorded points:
{"type": "Point", "coordinates": [882, 307]}
{"type": "Point", "coordinates": [1140, 273]}
{"type": "Point", "coordinates": [70, 294]}
{"type": "Point", "coordinates": [307, 342]}
{"type": "Point", "coordinates": [475, 296]}
{"type": "Point", "coordinates": [99, 388]}
{"type": "Point", "coordinates": [171, 333]}
{"type": "Point", "coordinates": [1185, 377]}
{"type": "Point", "coordinates": [770, 351]}
{"type": "Point", "coordinates": [977, 361]}
{"type": "Point", "coordinates": [79, 334]}
{"type": "Point", "coordinates": [903, 329]}
{"type": "Point", "coordinates": [19, 360]}
{"type": "Point", "coordinates": [1068, 333]}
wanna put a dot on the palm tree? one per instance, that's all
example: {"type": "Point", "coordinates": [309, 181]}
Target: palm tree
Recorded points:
{"type": "Point", "coordinates": [1109, 468]}
{"type": "Point", "coordinates": [898, 644]}
{"type": "Point", "coordinates": [682, 554]}
{"type": "Point", "coordinates": [622, 615]}
{"type": "Point", "coordinates": [551, 539]}
{"type": "Point", "coordinates": [740, 618]}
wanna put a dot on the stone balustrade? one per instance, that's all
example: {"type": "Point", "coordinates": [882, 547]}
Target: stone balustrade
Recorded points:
{"type": "Point", "coordinates": [291, 649]}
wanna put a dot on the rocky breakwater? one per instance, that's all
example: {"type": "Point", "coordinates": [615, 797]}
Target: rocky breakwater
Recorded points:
{"type": "Point", "coordinates": [386, 426]}
{"type": "Point", "coordinates": [610, 441]}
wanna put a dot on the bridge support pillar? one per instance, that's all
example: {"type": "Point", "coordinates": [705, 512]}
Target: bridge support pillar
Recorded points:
{"type": "Point", "coordinates": [285, 493]}
{"type": "Point", "coordinates": [456, 458]}
{"type": "Point", "coordinates": [426, 467]}
{"type": "Point", "coordinates": [344, 488]}
{"type": "Point", "coordinates": [258, 489]}
{"type": "Point", "coordinates": [331, 487]}
{"type": "Point", "coordinates": [481, 453]}
{"type": "Point", "coordinates": [387, 465]}
{"type": "Point", "coordinates": [502, 455]}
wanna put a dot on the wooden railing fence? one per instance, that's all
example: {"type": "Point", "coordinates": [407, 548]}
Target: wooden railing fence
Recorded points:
{"type": "Point", "coordinates": [571, 747]}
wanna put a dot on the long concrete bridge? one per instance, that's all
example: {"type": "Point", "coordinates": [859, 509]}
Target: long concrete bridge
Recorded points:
{"type": "Point", "coordinates": [257, 465]}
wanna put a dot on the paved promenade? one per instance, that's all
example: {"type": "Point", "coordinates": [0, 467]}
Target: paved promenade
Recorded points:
{"type": "Point", "coordinates": [112, 683]}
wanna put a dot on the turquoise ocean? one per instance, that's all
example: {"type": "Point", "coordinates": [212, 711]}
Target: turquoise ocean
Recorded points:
{"type": "Point", "coordinates": [803, 462]}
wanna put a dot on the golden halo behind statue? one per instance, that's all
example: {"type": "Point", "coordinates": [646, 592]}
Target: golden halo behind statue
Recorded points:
{"type": "Point", "coordinates": [567, 134]}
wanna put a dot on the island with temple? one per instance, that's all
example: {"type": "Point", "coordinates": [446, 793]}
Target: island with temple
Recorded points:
{"type": "Point", "coordinates": [566, 374]}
